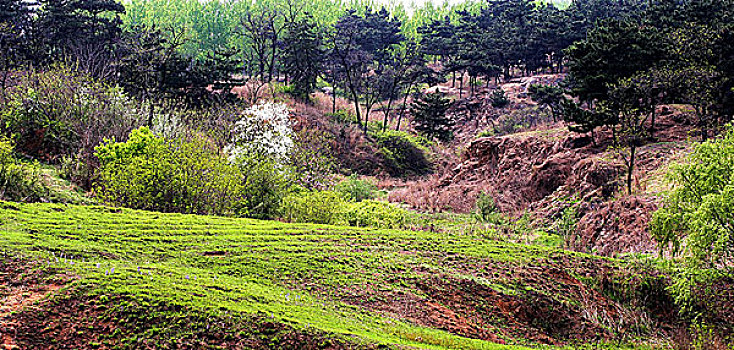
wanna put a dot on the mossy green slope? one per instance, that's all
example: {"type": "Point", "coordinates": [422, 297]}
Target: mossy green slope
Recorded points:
{"type": "Point", "coordinates": [299, 274]}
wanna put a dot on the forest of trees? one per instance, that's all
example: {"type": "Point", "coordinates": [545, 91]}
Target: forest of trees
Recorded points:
{"type": "Point", "coordinates": [367, 54]}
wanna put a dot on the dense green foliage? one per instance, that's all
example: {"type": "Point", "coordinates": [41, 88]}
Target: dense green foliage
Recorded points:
{"type": "Point", "coordinates": [430, 118]}
{"type": "Point", "coordinates": [667, 53]}
{"type": "Point", "coordinates": [19, 181]}
{"type": "Point", "coordinates": [356, 190]}
{"type": "Point", "coordinates": [486, 207]}
{"type": "Point", "coordinates": [698, 215]}
{"type": "Point", "coordinates": [179, 175]}
{"type": "Point", "coordinates": [330, 207]}
{"type": "Point", "coordinates": [369, 213]}
{"type": "Point", "coordinates": [404, 155]}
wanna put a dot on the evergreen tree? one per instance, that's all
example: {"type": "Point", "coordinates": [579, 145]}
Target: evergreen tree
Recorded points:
{"type": "Point", "coordinates": [429, 116]}
{"type": "Point", "coordinates": [612, 51]}
{"type": "Point", "coordinates": [547, 96]}
{"type": "Point", "coordinates": [83, 30]}
{"type": "Point", "coordinates": [14, 24]}
{"type": "Point", "coordinates": [361, 48]}
{"type": "Point", "coordinates": [303, 54]}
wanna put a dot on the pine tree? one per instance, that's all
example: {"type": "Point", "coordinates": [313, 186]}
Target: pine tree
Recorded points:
{"type": "Point", "coordinates": [303, 54]}
{"type": "Point", "coordinates": [14, 22]}
{"type": "Point", "coordinates": [429, 116]}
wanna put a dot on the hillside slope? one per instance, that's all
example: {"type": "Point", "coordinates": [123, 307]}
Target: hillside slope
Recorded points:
{"type": "Point", "coordinates": [545, 171]}
{"type": "Point", "coordinates": [101, 277]}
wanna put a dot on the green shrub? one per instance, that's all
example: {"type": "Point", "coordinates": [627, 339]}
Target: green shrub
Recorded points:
{"type": "Point", "coordinates": [264, 184]}
{"type": "Point", "coordinates": [329, 207]}
{"type": "Point", "coordinates": [356, 190]}
{"type": "Point", "coordinates": [498, 99]}
{"type": "Point", "coordinates": [403, 154]}
{"type": "Point", "coordinates": [486, 207]}
{"type": "Point", "coordinates": [179, 175]}
{"type": "Point", "coordinates": [319, 207]}
{"type": "Point", "coordinates": [342, 116]}
{"type": "Point", "coordinates": [371, 213]}
{"type": "Point", "coordinates": [567, 224]}
{"type": "Point", "coordinates": [284, 89]}
{"type": "Point", "coordinates": [696, 219]}
{"type": "Point", "coordinates": [19, 182]}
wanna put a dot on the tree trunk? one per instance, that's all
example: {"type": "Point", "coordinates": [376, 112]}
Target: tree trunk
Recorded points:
{"type": "Point", "coordinates": [356, 106]}
{"type": "Point", "coordinates": [631, 168]}
{"type": "Point", "coordinates": [402, 108]}
{"type": "Point", "coordinates": [387, 113]}
{"type": "Point", "coordinates": [461, 84]}
{"type": "Point", "coordinates": [150, 111]}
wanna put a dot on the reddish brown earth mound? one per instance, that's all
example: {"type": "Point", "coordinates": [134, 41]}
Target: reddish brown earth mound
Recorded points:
{"type": "Point", "coordinates": [544, 171]}
{"type": "Point", "coordinates": [553, 301]}
{"type": "Point", "coordinates": [517, 171]}
{"type": "Point", "coordinates": [617, 226]}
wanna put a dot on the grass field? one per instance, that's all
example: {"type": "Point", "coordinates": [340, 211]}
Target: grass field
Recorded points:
{"type": "Point", "coordinates": [359, 286]}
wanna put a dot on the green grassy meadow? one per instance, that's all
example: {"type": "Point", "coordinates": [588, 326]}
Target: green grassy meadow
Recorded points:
{"type": "Point", "coordinates": [326, 279]}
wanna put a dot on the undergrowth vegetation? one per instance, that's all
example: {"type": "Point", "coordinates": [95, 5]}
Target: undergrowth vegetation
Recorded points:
{"type": "Point", "coordinates": [19, 181]}
{"type": "Point", "coordinates": [179, 175]}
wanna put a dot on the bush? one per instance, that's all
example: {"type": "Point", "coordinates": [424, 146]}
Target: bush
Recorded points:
{"type": "Point", "coordinates": [402, 154]}
{"type": "Point", "coordinates": [329, 207]}
{"type": "Point", "coordinates": [486, 207]}
{"type": "Point", "coordinates": [342, 116]}
{"type": "Point", "coordinates": [371, 213]}
{"type": "Point", "coordinates": [264, 183]}
{"type": "Point", "coordinates": [179, 175]}
{"type": "Point", "coordinates": [356, 190]}
{"type": "Point", "coordinates": [264, 132]}
{"type": "Point", "coordinates": [319, 207]}
{"type": "Point", "coordinates": [498, 99]}
{"type": "Point", "coordinates": [567, 224]}
{"type": "Point", "coordinates": [19, 182]}
{"type": "Point", "coordinates": [263, 149]}
{"type": "Point", "coordinates": [696, 220]}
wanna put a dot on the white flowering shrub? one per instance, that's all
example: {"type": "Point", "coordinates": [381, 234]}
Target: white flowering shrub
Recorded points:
{"type": "Point", "coordinates": [262, 145]}
{"type": "Point", "coordinates": [264, 132]}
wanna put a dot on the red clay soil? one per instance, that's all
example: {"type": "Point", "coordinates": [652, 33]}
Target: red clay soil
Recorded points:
{"type": "Point", "coordinates": [516, 170]}
{"type": "Point", "coordinates": [617, 226]}
{"type": "Point", "coordinates": [544, 171]}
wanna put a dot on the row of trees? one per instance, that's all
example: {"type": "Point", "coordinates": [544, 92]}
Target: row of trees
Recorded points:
{"type": "Point", "coordinates": [506, 37]}
{"type": "Point", "coordinates": [663, 49]}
